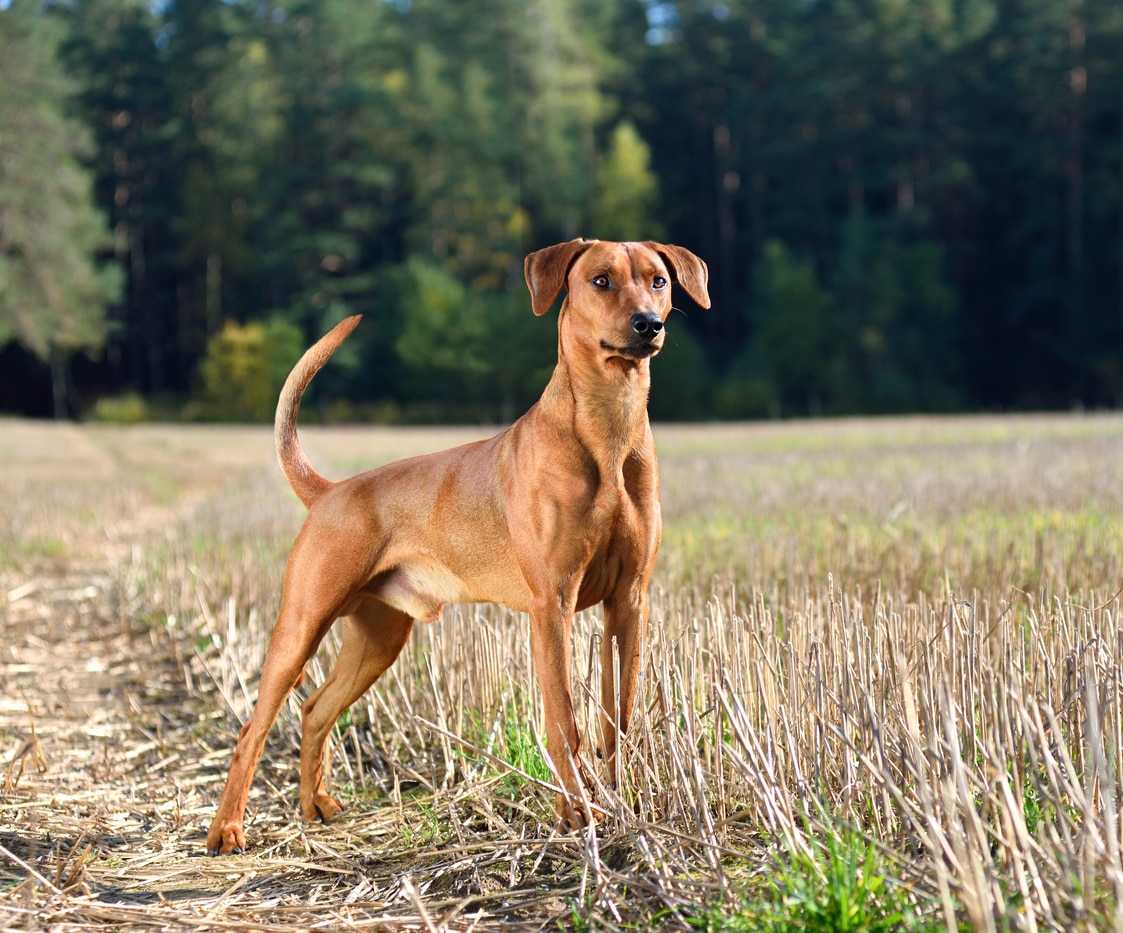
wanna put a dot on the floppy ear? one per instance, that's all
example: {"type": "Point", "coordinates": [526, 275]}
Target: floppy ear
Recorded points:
{"type": "Point", "coordinates": [689, 271]}
{"type": "Point", "coordinates": [546, 271]}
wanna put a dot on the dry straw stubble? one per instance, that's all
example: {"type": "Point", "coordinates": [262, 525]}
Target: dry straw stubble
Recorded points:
{"type": "Point", "coordinates": [896, 636]}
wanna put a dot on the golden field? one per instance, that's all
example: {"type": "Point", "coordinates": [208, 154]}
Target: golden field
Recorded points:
{"type": "Point", "coordinates": [882, 691]}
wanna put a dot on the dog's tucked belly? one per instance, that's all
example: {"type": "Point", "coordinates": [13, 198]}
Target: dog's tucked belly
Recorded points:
{"type": "Point", "coordinates": [418, 591]}
{"type": "Point", "coordinates": [422, 589]}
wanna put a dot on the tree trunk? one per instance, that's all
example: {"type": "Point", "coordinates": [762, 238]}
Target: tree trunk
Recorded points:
{"type": "Point", "coordinates": [727, 181]}
{"type": "Point", "coordinates": [214, 293]}
{"type": "Point", "coordinates": [1078, 83]}
{"type": "Point", "coordinates": [58, 382]}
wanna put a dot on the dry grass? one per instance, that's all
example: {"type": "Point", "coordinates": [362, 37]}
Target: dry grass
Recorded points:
{"type": "Point", "coordinates": [885, 662]}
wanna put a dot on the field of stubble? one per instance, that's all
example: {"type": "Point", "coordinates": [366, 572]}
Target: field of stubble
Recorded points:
{"type": "Point", "coordinates": [882, 692]}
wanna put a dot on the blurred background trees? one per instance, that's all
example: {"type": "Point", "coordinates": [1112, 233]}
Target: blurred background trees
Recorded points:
{"type": "Point", "coordinates": [53, 289]}
{"type": "Point", "coordinates": [906, 206]}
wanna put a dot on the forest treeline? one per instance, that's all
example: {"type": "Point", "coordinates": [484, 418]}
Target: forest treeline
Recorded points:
{"type": "Point", "coordinates": [906, 205]}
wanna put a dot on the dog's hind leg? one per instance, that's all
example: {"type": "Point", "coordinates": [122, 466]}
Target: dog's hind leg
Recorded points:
{"type": "Point", "coordinates": [294, 641]}
{"type": "Point", "coordinates": [373, 637]}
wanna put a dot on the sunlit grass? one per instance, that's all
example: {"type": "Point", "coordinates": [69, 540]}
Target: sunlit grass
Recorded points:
{"type": "Point", "coordinates": [894, 634]}
{"type": "Point", "coordinates": [880, 692]}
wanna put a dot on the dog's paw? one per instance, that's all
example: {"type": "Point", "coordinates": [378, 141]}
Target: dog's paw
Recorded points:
{"type": "Point", "coordinates": [573, 815]}
{"type": "Point", "coordinates": [226, 839]}
{"type": "Point", "coordinates": [322, 806]}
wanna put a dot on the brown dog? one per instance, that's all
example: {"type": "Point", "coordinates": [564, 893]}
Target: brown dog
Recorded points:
{"type": "Point", "coordinates": [555, 514]}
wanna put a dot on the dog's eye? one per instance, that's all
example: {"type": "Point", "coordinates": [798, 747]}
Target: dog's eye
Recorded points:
{"type": "Point", "coordinates": [601, 281]}
{"type": "Point", "coordinates": [659, 282]}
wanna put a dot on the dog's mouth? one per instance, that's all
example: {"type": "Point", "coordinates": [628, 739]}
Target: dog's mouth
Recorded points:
{"type": "Point", "coordinates": [640, 350]}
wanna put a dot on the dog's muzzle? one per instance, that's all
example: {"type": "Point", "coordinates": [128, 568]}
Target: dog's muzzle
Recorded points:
{"type": "Point", "coordinates": [646, 327]}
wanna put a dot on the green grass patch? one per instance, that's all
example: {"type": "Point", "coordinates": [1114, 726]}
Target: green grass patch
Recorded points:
{"type": "Point", "coordinates": [838, 884]}
{"type": "Point", "coordinates": [511, 738]}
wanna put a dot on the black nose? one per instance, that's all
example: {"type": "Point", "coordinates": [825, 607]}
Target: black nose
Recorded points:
{"type": "Point", "coordinates": [647, 324]}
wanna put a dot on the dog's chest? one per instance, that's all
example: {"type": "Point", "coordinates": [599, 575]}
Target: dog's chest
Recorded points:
{"type": "Point", "coordinates": [622, 538]}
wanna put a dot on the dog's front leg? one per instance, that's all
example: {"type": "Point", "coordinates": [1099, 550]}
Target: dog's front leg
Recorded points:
{"type": "Point", "coordinates": [550, 640]}
{"type": "Point", "coordinates": [625, 628]}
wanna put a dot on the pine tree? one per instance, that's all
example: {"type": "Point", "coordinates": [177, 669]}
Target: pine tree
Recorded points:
{"type": "Point", "coordinates": [53, 290]}
{"type": "Point", "coordinates": [126, 98]}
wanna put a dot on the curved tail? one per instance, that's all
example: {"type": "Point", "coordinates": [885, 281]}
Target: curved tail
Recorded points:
{"type": "Point", "coordinates": [305, 481]}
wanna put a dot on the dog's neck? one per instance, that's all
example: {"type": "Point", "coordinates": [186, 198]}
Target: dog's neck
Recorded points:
{"type": "Point", "coordinates": [607, 401]}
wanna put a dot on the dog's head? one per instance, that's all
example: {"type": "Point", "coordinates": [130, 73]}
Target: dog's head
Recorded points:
{"type": "Point", "coordinates": [619, 293]}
